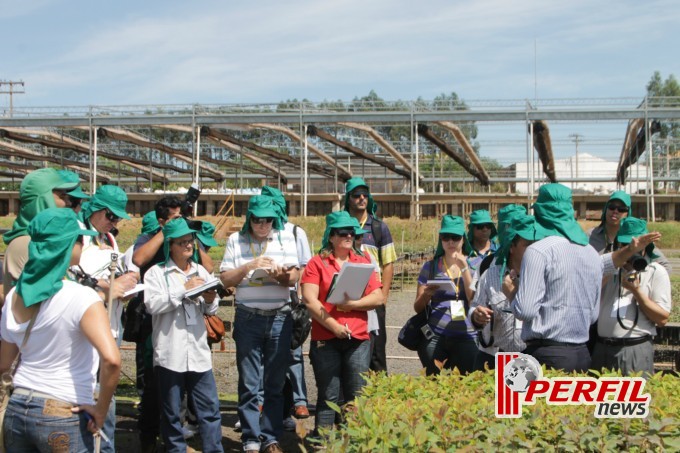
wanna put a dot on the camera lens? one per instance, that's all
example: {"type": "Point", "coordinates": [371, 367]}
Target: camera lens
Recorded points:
{"type": "Point", "coordinates": [638, 262]}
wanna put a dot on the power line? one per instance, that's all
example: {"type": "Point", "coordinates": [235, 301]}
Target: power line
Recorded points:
{"type": "Point", "coordinates": [11, 84]}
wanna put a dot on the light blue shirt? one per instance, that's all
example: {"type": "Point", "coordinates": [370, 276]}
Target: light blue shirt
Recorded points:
{"type": "Point", "coordinates": [559, 290]}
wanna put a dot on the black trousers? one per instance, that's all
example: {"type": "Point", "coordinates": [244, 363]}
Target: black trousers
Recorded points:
{"type": "Point", "coordinates": [378, 343]}
{"type": "Point", "coordinates": [562, 357]}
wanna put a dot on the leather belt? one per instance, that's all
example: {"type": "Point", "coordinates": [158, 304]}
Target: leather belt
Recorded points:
{"type": "Point", "coordinates": [543, 342]}
{"type": "Point", "coordinates": [260, 312]}
{"type": "Point", "coordinates": [624, 341]}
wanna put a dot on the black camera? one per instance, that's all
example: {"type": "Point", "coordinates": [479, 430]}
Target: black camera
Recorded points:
{"type": "Point", "coordinates": [195, 225]}
{"type": "Point", "coordinates": [638, 262]}
{"type": "Point", "coordinates": [190, 199]}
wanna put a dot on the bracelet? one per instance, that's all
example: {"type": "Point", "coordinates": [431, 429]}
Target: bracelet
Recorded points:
{"type": "Point", "coordinates": [466, 268]}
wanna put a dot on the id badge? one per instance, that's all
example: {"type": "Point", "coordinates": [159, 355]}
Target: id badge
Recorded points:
{"type": "Point", "coordinates": [190, 314]}
{"type": "Point", "coordinates": [457, 310]}
{"type": "Point", "coordinates": [621, 305]}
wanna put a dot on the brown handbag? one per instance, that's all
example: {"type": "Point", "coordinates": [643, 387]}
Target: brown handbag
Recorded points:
{"type": "Point", "coordinates": [214, 327]}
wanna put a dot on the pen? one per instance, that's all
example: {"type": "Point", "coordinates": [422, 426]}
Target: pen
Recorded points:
{"type": "Point", "coordinates": [349, 335]}
{"type": "Point", "coordinates": [99, 431]}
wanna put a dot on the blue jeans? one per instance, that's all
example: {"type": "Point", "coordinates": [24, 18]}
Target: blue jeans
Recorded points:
{"type": "Point", "coordinates": [109, 428]}
{"type": "Point", "coordinates": [338, 365]}
{"type": "Point", "coordinates": [37, 424]}
{"type": "Point", "coordinates": [201, 386]}
{"type": "Point", "coordinates": [296, 376]}
{"type": "Point", "coordinates": [453, 351]}
{"type": "Point", "coordinates": [262, 353]}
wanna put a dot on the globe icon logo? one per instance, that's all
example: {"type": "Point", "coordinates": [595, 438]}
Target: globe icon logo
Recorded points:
{"type": "Point", "coordinates": [520, 372]}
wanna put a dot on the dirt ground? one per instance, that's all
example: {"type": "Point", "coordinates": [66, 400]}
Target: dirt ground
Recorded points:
{"type": "Point", "coordinates": [400, 360]}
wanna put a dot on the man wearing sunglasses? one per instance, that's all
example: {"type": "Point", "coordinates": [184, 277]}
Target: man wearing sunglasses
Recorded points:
{"type": "Point", "coordinates": [603, 236]}
{"type": "Point", "coordinates": [378, 243]}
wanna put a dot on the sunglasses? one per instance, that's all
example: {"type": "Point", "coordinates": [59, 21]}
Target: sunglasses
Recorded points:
{"type": "Point", "coordinates": [620, 209]}
{"type": "Point", "coordinates": [343, 232]}
{"type": "Point", "coordinates": [357, 195]}
{"type": "Point", "coordinates": [484, 226]}
{"type": "Point", "coordinates": [450, 237]}
{"type": "Point", "coordinates": [261, 220]}
{"type": "Point", "coordinates": [111, 217]}
{"type": "Point", "coordinates": [184, 243]}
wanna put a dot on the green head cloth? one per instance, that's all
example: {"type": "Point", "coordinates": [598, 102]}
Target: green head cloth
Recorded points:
{"type": "Point", "coordinates": [35, 195]}
{"type": "Point", "coordinates": [519, 224]}
{"type": "Point", "coordinates": [353, 183]}
{"type": "Point", "coordinates": [68, 175]}
{"type": "Point", "coordinates": [449, 225]}
{"type": "Point", "coordinates": [112, 198]}
{"type": "Point", "coordinates": [175, 228]}
{"type": "Point", "coordinates": [505, 216]}
{"type": "Point", "coordinates": [53, 233]}
{"type": "Point", "coordinates": [150, 223]}
{"type": "Point", "coordinates": [206, 234]}
{"type": "Point", "coordinates": [633, 227]}
{"type": "Point", "coordinates": [262, 206]}
{"type": "Point", "coordinates": [619, 195]}
{"type": "Point", "coordinates": [336, 220]}
{"type": "Point", "coordinates": [478, 217]}
{"type": "Point", "coordinates": [278, 200]}
{"type": "Point", "coordinates": [554, 213]}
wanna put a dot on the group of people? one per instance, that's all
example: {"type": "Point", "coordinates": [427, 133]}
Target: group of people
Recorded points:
{"type": "Point", "coordinates": [533, 284]}
{"type": "Point", "coordinates": [574, 301]}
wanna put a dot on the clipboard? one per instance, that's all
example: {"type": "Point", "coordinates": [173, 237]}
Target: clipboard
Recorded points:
{"type": "Point", "coordinates": [207, 286]}
{"type": "Point", "coordinates": [352, 279]}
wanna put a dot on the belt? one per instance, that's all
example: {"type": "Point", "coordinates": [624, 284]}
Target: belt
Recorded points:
{"type": "Point", "coordinates": [543, 342]}
{"type": "Point", "coordinates": [258, 311]}
{"type": "Point", "coordinates": [624, 341]}
{"type": "Point", "coordinates": [36, 394]}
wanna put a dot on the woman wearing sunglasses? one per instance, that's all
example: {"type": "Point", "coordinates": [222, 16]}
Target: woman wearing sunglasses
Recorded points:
{"type": "Point", "coordinates": [481, 238]}
{"type": "Point", "coordinates": [340, 349]}
{"type": "Point", "coordinates": [450, 337]}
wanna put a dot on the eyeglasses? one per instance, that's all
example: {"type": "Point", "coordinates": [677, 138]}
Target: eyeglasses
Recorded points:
{"type": "Point", "coordinates": [359, 194]}
{"type": "Point", "coordinates": [620, 209]}
{"type": "Point", "coordinates": [450, 237]}
{"type": "Point", "coordinates": [359, 237]}
{"type": "Point", "coordinates": [111, 217]}
{"type": "Point", "coordinates": [184, 243]}
{"type": "Point", "coordinates": [484, 226]}
{"type": "Point", "coordinates": [343, 232]}
{"type": "Point", "coordinates": [261, 220]}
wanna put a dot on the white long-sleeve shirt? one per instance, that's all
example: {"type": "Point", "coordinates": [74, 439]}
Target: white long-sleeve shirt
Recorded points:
{"type": "Point", "coordinates": [179, 337]}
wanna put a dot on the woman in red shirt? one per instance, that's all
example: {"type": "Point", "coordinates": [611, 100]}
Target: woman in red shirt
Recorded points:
{"type": "Point", "coordinates": [340, 348]}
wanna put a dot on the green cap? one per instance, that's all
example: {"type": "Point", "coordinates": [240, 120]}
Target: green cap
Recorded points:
{"type": "Point", "coordinates": [70, 176]}
{"type": "Point", "coordinates": [206, 234]}
{"type": "Point", "coordinates": [261, 206]}
{"type": "Point", "coordinates": [505, 216]}
{"type": "Point", "coordinates": [353, 183]}
{"type": "Point", "coordinates": [554, 213]}
{"type": "Point", "coordinates": [150, 223]}
{"type": "Point", "coordinates": [519, 224]}
{"type": "Point", "coordinates": [53, 233]}
{"type": "Point", "coordinates": [35, 195]}
{"type": "Point", "coordinates": [279, 201]}
{"type": "Point", "coordinates": [112, 198]}
{"type": "Point", "coordinates": [633, 227]}
{"type": "Point", "coordinates": [175, 228]}
{"type": "Point", "coordinates": [619, 195]}
{"type": "Point", "coordinates": [336, 220]}
{"type": "Point", "coordinates": [449, 225]}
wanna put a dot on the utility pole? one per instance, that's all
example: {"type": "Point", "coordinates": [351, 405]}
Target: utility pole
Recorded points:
{"type": "Point", "coordinates": [576, 138]}
{"type": "Point", "coordinates": [11, 91]}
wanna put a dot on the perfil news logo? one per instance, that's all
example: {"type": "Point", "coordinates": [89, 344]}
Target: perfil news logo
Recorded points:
{"type": "Point", "coordinates": [520, 381]}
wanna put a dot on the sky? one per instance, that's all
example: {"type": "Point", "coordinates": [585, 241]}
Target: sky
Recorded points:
{"type": "Point", "coordinates": [76, 52]}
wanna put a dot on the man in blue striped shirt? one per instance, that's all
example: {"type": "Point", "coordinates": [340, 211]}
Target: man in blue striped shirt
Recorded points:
{"type": "Point", "coordinates": [558, 296]}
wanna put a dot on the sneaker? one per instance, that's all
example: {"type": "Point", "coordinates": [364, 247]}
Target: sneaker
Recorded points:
{"type": "Point", "coordinates": [273, 448]}
{"type": "Point", "coordinates": [289, 424]}
{"type": "Point", "coordinates": [237, 426]}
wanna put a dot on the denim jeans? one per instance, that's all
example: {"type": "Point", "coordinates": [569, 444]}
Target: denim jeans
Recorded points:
{"type": "Point", "coordinates": [262, 353]}
{"type": "Point", "coordinates": [109, 428]}
{"type": "Point", "coordinates": [453, 351]}
{"type": "Point", "coordinates": [296, 377]}
{"type": "Point", "coordinates": [33, 424]}
{"type": "Point", "coordinates": [201, 386]}
{"type": "Point", "coordinates": [337, 365]}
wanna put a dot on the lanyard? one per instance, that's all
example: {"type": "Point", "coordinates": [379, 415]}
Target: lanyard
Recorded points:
{"type": "Point", "coordinates": [455, 281]}
{"type": "Point", "coordinates": [252, 249]}
{"type": "Point", "coordinates": [618, 307]}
